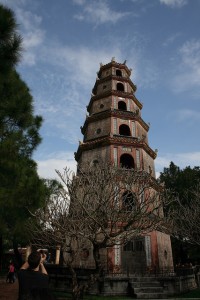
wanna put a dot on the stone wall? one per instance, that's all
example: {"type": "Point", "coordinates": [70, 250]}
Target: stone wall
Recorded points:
{"type": "Point", "coordinates": [60, 280]}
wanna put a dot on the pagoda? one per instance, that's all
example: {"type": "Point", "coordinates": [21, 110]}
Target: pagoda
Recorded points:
{"type": "Point", "coordinates": [115, 132]}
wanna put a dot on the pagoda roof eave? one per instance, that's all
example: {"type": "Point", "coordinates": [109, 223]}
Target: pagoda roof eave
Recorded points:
{"type": "Point", "coordinates": [114, 140]}
{"type": "Point", "coordinates": [114, 93]}
{"type": "Point", "coordinates": [114, 64]}
{"type": "Point", "coordinates": [114, 113]}
{"type": "Point", "coordinates": [114, 77]}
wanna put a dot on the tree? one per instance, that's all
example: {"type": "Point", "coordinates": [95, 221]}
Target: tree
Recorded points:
{"type": "Point", "coordinates": [186, 218]}
{"type": "Point", "coordinates": [10, 41]}
{"type": "Point", "coordinates": [101, 207]}
{"type": "Point", "coordinates": [185, 185]}
{"type": "Point", "coordinates": [21, 189]}
{"type": "Point", "coordinates": [178, 180]}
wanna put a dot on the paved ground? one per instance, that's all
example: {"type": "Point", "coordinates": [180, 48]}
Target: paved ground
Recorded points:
{"type": "Point", "coordinates": [8, 291]}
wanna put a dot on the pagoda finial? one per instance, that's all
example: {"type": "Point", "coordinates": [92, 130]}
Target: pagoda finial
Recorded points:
{"type": "Point", "coordinates": [113, 58]}
{"type": "Point", "coordinates": [124, 62]}
{"type": "Point", "coordinates": [101, 65]}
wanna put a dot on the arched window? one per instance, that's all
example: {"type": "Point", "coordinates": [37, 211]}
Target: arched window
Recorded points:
{"type": "Point", "coordinates": [118, 72]}
{"type": "Point", "coordinates": [98, 131]}
{"type": "Point", "coordinates": [122, 105]}
{"type": "Point", "coordinates": [101, 105]}
{"type": "Point", "coordinates": [95, 162]}
{"type": "Point", "coordinates": [128, 201]}
{"type": "Point", "coordinates": [127, 161]}
{"type": "Point", "coordinates": [120, 87]}
{"type": "Point", "coordinates": [124, 130]}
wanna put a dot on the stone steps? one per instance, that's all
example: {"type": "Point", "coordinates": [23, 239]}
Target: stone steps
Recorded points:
{"type": "Point", "coordinates": [146, 288]}
{"type": "Point", "coordinates": [151, 289]}
{"type": "Point", "coordinates": [150, 296]}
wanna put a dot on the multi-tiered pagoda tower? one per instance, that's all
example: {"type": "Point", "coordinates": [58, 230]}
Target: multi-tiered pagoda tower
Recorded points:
{"type": "Point", "coordinates": [114, 131]}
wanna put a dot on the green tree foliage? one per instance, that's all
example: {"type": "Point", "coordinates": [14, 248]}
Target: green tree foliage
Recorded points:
{"type": "Point", "coordinates": [179, 181]}
{"type": "Point", "coordinates": [21, 189]}
{"type": "Point", "coordinates": [10, 41]}
{"type": "Point", "coordinates": [183, 183]}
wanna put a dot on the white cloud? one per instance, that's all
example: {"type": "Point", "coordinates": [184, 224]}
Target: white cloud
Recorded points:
{"type": "Point", "coordinates": [81, 63]}
{"type": "Point", "coordinates": [182, 160]}
{"type": "Point", "coordinates": [98, 12]}
{"type": "Point", "coordinates": [187, 114]}
{"type": "Point", "coordinates": [33, 39]}
{"type": "Point", "coordinates": [170, 40]}
{"type": "Point", "coordinates": [56, 161]}
{"type": "Point", "coordinates": [188, 70]}
{"type": "Point", "coordinates": [27, 19]}
{"type": "Point", "coordinates": [174, 3]}
{"type": "Point", "coordinates": [190, 52]}
{"type": "Point", "coordinates": [14, 3]}
{"type": "Point", "coordinates": [32, 33]}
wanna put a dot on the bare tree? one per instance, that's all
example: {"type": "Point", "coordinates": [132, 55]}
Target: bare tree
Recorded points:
{"type": "Point", "coordinates": [185, 216]}
{"type": "Point", "coordinates": [102, 206]}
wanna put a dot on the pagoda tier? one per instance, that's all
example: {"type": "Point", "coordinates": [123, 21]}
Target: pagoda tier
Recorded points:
{"type": "Point", "coordinates": [115, 140]}
{"type": "Point", "coordinates": [127, 115]}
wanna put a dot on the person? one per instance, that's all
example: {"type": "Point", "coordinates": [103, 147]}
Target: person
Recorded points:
{"type": "Point", "coordinates": [11, 273]}
{"type": "Point", "coordinates": [33, 279]}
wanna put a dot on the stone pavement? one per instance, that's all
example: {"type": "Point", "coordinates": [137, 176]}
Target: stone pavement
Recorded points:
{"type": "Point", "coordinates": [8, 291]}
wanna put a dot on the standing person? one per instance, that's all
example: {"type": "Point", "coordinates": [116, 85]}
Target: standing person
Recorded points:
{"type": "Point", "coordinates": [33, 279]}
{"type": "Point", "coordinates": [11, 273]}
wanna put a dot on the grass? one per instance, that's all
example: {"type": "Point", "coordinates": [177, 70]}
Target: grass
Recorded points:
{"type": "Point", "coordinates": [61, 295]}
{"type": "Point", "coordinates": [192, 294]}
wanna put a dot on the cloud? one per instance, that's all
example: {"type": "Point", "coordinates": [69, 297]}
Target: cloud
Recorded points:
{"type": "Point", "coordinates": [81, 63]}
{"type": "Point", "coordinates": [56, 161]}
{"type": "Point", "coordinates": [98, 12]}
{"type": "Point", "coordinates": [190, 52]}
{"type": "Point", "coordinates": [189, 59]}
{"type": "Point", "coordinates": [174, 3]}
{"type": "Point", "coordinates": [184, 115]}
{"type": "Point", "coordinates": [171, 39]}
{"type": "Point", "coordinates": [30, 28]}
{"type": "Point", "coordinates": [15, 3]}
{"type": "Point", "coordinates": [182, 160]}
{"type": "Point", "coordinates": [32, 33]}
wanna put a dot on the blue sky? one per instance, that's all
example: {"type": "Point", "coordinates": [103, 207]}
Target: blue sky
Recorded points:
{"type": "Point", "coordinates": [65, 40]}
